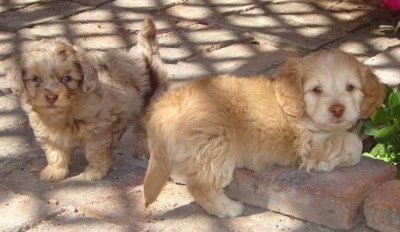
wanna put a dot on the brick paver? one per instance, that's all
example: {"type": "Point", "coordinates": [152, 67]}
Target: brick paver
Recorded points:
{"type": "Point", "coordinates": [382, 207]}
{"type": "Point", "coordinates": [333, 199]}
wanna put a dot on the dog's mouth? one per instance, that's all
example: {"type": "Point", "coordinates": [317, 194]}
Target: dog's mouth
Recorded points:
{"type": "Point", "coordinates": [51, 106]}
{"type": "Point", "coordinates": [338, 121]}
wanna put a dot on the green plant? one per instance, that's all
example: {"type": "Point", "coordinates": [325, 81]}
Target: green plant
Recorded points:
{"type": "Point", "coordinates": [384, 126]}
{"type": "Point", "coordinates": [397, 28]}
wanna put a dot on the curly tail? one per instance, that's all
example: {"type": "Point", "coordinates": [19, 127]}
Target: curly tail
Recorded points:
{"type": "Point", "coordinates": [149, 48]}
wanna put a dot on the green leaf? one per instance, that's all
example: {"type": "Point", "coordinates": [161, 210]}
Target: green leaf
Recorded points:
{"type": "Point", "coordinates": [385, 134]}
{"type": "Point", "coordinates": [397, 28]}
{"type": "Point", "coordinates": [366, 154]}
{"type": "Point", "coordinates": [369, 128]}
{"type": "Point", "coordinates": [396, 113]}
{"type": "Point", "coordinates": [381, 117]}
{"type": "Point", "coordinates": [394, 99]}
{"type": "Point", "coordinates": [376, 150]}
{"type": "Point", "coordinates": [389, 90]}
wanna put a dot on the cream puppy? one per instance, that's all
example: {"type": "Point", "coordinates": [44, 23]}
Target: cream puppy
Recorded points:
{"type": "Point", "coordinates": [204, 130]}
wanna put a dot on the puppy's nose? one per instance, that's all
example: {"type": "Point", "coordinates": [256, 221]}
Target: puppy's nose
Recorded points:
{"type": "Point", "coordinates": [337, 110]}
{"type": "Point", "coordinates": [51, 98]}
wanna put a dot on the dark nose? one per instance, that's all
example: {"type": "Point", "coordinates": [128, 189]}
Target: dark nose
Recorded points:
{"type": "Point", "coordinates": [51, 98]}
{"type": "Point", "coordinates": [337, 110]}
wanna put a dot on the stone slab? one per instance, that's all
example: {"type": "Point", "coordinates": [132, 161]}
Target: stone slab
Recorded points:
{"type": "Point", "coordinates": [334, 199]}
{"type": "Point", "coordinates": [196, 40]}
{"type": "Point", "coordinates": [144, 6]}
{"type": "Point", "coordinates": [305, 24]}
{"type": "Point", "coordinates": [369, 41]}
{"type": "Point", "coordinates": [38, 13]}
{"type": "Point", "coordinates": [237, 59]}
{"type": "Point", "coordinates": [381, 207]}
{"type": "Point", "coordinates": [20, 212]}
{"type": "Point", "coordinates": [386, 65]}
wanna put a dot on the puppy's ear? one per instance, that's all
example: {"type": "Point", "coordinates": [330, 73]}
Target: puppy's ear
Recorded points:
{"type": "Point", "coordinates": [288, 88]}
{"type": "Point", "coordinates": [373, 90]}
{"type": "Point", "coordinates": [90, 74]}
{"type": "Point", "coordinates": [14, 76]}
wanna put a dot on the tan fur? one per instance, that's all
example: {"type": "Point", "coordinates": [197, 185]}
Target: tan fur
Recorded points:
{"type": "Point", "coordinates": [74, 98]}
{"type": "Point", "coordinates": [204, 130]}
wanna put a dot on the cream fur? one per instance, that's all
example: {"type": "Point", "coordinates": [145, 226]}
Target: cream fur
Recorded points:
{"type": "Point", "coordinates": [74, 98]}
{"type": "Point", "coordinates": [204, 130]}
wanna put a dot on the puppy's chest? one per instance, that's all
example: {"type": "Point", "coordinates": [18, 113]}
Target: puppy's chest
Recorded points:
{"type": "Point", "coordinates": [66, 134]}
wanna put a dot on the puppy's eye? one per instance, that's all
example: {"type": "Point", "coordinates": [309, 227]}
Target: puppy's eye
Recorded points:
{"type": "Point", "coordinates": [37, 79]}
{"type": "Point", "coordinates": [66, 79]}
{"type": "Point", "coordinates": [317, 90]}
{"type": "Point", "coordinates": [349, 87]}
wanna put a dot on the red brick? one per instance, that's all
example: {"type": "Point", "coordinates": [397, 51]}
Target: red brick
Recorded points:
{"type": "Point", "coordinates": [382, 207]}
{"type": "Point", "coordinates": [334, 199]}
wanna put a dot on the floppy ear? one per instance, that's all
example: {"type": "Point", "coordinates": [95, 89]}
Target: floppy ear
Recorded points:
{"type": "Point", "coordinates": [83, 61]}
{"type": "Point", "coordinates": [288, 88]}
{"type": "Point", "coordinates": [14, 76]}
{"type": "Point", "coordinates": [90, 72]}
{"type": "Point", "coordinates": [373, 90]}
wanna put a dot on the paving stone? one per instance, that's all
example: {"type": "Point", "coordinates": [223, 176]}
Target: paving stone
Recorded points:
{"type": "Point", "coordinates": [304, 24]}
{"type": "Point", "coordinates": [6, 48]}
{"type": "Point", "coordinates": [381, 207]}
{"type": "Point", "coordinates": [20, 212]}
{"type": "Point", "coordinates": [197, 39]}
{"type": "Point", "coordinates": [145, 6]}
{"type": "Point", "coordinates": [15, 132]}
{"type": "Point", "coordinates": [74, 221]}
{"type": "Point", "coordinates": [333, 199]}
{"type": "Point", "coordinates": [92, 2]}
{"type": "Point", "coordinates": [238, 59]}
{"type": "Point", "coordinates": [17, 4]}
{"type": "Point", "coordinates": [204, 9]}
{"type": "Point", "coordinates": [369, 41]}
{"type": "Point", "coordinates": [38, 13]}
{"type": "Point", "coordinates": [81, 34]}
{"type": "Point", "coordinates": [386, 65]}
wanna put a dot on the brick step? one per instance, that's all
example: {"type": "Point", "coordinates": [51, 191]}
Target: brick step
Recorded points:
{"type": "Point", "coordinates": [382, 207]}
{"type": "Point", "coordinates": [334, 199]}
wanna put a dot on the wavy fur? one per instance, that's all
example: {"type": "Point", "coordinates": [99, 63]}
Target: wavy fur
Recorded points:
{"type": "Point", "coordinates": [204, 130]}
{"type": "Point", "coordinates": [74, 97]}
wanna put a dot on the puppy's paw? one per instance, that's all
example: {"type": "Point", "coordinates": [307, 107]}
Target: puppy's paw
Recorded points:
{"type": "Point", "coordinates": [227, 208]}
{"type": "Point", "coordinates": [95, 173]}
{"type": "Point", "coordinates": [312, 165]}
{"type": "Point", "coordinates": [232, 209]}
{"type": "Point", "coordinates": [53, 174]}
{"type": "Point", "coordinates": [142, 156]}
{"type": "Point", "coordinates": [142, 152]}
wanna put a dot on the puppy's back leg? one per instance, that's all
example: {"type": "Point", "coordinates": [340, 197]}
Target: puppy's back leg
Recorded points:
{"type": "Point", "coordinates": [212, 197]}
{"type": "Point", "coordinates": [213, 170]}
{"type": "Point", "coordinates": [98, 155]}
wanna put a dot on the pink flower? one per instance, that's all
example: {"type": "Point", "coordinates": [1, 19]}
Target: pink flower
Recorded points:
{"type": "Point", "coordinates": [391, 4]}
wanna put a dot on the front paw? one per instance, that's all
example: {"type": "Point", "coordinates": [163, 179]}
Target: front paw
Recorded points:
{"type": "Point", "coordinates": [319, 166]}
{"type": "Point", "coordinates": [96, 173]}
{"type": "Point", "coordinates": [53, 174]}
